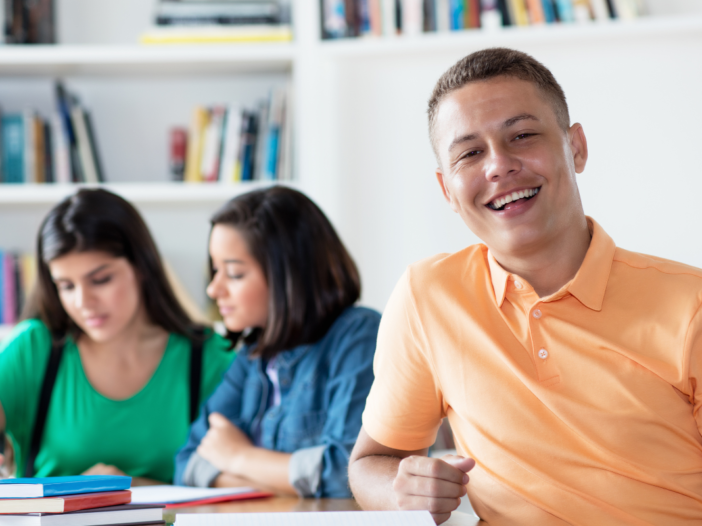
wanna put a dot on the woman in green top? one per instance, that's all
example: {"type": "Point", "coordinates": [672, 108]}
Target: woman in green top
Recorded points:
{"type": "Point", "coordinates": [121, 399]}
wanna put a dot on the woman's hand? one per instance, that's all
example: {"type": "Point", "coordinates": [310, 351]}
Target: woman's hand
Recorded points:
{"type": "Point", "coordinates": [104, 469]}
{"type": "Point", "coordinates": [224, 445]}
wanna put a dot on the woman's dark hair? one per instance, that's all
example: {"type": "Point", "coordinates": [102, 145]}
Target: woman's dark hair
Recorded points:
{"type": "Point", "coordinates": [98, 220]}
{"type": "Point", "coordinates": [311, 277]}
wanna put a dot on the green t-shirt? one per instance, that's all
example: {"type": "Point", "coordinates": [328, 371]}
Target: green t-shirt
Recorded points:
{"type": "Point", "coordinates": [139, 435]}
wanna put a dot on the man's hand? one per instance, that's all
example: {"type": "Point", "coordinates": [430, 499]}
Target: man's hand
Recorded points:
{"type": "Point", "coordinates": [104, 469]}
{"type": "Point", "coordinates": [224, 445]}
{"type": "Point", "coordinates": [437, 485]}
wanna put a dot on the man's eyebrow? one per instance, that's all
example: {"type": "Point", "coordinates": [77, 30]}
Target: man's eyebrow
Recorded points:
{"type": "Point", "coordinates": [516, 119]}
{"type": "Point", "coordinates": [464, 138]}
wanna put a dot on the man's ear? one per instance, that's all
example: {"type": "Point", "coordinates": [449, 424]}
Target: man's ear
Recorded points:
{"type": "Point", "coordinates": [442, 184]}
{"type": "Point", "coordinates": [578, 145]}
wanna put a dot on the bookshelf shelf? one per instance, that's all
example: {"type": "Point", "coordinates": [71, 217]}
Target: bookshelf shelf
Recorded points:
{"type": "Point", "coordinates": [649, 26]}
{"type": "Point", "coordinates": [156, 60]}
{"type": "Point", "coordinates": [139, 193]}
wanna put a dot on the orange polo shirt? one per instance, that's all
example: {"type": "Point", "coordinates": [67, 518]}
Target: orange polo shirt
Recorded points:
{"type": "Point", "coordinates": [580, 408]}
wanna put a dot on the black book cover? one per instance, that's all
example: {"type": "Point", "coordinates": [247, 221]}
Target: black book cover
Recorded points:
{"type": "Point", "coordinates": [49, 175]}
{"type": "Point", "coordinates": [612, 9]}
{"type": "Point", "coordinates": [429, 15]}
{"type": "Point", "coordinates": [93, 146]}
{"type": "Point", "coordinates": [64, 104]}
{"type": "Point", "coordinates": [504, 11]}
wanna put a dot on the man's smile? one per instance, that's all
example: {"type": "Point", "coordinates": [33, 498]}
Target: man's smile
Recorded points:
{"type": "Point", "coordinates": [502, 201]}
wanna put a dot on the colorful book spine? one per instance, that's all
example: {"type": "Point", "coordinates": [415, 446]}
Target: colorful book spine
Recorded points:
{"type": "Point", "coordinates": [549, 11]}
{"type": "Point", "coordinates": [565, 10]}
{"type": "Point", "coordinates": [458, 14]}
{"type": "Point", "coordinates": [13, 148]}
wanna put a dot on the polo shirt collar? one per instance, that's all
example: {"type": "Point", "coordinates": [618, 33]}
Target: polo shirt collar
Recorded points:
{"type": "Point", "coordinates": [590, 282]}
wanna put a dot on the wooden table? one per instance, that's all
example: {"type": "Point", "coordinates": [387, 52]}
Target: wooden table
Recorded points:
{"type": "Point", "coordinates": [266, 505]}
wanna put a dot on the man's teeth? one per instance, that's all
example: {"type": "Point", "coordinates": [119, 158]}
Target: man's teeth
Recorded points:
{"type": "Point", "coordinates": [502, 201]}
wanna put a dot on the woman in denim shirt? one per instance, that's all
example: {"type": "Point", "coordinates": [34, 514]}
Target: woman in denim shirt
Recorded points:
{"type": "Point", "coordinates": [288, 412]}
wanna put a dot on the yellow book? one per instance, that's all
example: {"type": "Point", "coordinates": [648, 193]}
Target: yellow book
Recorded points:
{"type": "Point", "coordinates": [217, 34]}
{"type": "Point", "coordinates": [521, 16]}
{"type": "Point", "coordinates": [198, 124]}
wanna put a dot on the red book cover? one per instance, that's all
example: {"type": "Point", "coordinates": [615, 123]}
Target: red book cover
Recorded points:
{"type": "Point", "coordinates": [65, 503]}
{"type": "Point", "coordinates": [221, 498]}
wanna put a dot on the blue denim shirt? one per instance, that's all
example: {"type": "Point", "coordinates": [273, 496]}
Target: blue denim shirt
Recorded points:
{"type": "Point", "coordinates": [323, 393]}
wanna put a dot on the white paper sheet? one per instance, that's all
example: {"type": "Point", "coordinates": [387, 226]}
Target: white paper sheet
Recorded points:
{"type": "Point", "coordinates": [318, 518]}
{"type": "Point", "coordinates": [175, 494]}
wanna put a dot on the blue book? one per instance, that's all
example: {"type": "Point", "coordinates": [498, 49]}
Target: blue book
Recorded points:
{"type": "Point", "coordinates": [51, 486]}
{"type": "Point", "coordinates": [565, 10]}
{"type": "Point", "coordinates": [13, 148]}
{"type": "Point", "coordinates": [549, 11]}
{"type": "Point", "coordinates": [458, 14]}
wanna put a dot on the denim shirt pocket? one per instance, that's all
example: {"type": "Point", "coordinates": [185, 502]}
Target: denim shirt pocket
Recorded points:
{"type": "Point", "coordinates": [299, 431]}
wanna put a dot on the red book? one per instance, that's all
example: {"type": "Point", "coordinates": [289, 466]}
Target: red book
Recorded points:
{"type": "Point", "coordinates": [65, 503]}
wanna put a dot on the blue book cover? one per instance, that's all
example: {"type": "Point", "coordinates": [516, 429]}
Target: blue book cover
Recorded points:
{"type": "Point", "coordinates": [458, 14]}
{"type": "Point", "coordinates": [52, 486]}
{"type": "Point", "coordinates": [565, 10]}
{"type": "Point", "coordinates": [13, 148]}
{"type": "Point", "coordinates": [272, 154]}
{"type": "Point", "coordinates": [549, 11]}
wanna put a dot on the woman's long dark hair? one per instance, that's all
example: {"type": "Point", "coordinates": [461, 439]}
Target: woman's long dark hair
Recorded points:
{"type": "Point", "coordinates": [311, 277]}
{"type": "Point", "coordinates": [98, 220]}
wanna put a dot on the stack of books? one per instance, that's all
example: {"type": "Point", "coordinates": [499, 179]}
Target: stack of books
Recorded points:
{"type": "Point", "coordinates": [232, 144]}
{"type": "Point", "coordinates": [62, 148]}
{"type": "Point", "coordinates": [352, 18]}
{"type": "Point", "coordinates": [17, 276]}
{"type": "Point", "coordinates": [85, 500]}
{"type": "Point", "coordinates": [220, 21]}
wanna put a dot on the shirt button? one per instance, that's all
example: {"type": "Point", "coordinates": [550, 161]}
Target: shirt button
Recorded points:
{"type": "Point", "coordinates": [517, 284]}
{"type": "Point", "coordinates": [543, 354]}
{"type": "Point", "coordinates": [536, 314]}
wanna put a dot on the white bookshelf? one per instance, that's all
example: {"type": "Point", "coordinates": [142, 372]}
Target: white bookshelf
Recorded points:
{"type": "Point", "coordinates": [62, 60]}
{"type": "Point", "coordinates": [139, 193]}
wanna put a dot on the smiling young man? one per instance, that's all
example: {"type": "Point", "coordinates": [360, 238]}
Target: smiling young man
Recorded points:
{"type": "Point", "coordinates": [567, 367]}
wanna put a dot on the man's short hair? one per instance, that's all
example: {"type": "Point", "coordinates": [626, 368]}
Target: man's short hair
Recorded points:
{"type": "Point", "coordinates": [496, 62]}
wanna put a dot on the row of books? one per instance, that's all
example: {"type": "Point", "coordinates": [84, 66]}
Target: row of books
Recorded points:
{"type": "Point", "coordinates": [93, 500]}
{"type": "Point", "coordinates": [232, 143]}
{"type": "Point", "coordinates": [352, 18]}
{"type": "Point", "coordinates": [17, 276]}
{"type": "Point", "coordinates": [28, 22]}
{"type": "Point", "coordinates": [219, 21]}
{"type": "Point", "coordinates": [62, 148]}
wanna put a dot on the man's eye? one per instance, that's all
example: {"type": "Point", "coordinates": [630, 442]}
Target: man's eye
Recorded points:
{"type": "Point", "coordinates": [472, 153]}
{"type": "Point", "coordinates": [524, 135]}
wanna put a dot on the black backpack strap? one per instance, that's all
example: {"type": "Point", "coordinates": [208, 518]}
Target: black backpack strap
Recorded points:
{"type": "Point", "coordinates": [47, 387]}
{"type": "Point", "coordinates": [195, 376]}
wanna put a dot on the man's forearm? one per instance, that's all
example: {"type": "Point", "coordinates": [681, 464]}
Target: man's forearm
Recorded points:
{"type": "Point", "coordinates": [371, 479]}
